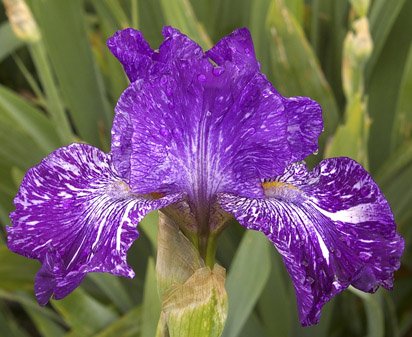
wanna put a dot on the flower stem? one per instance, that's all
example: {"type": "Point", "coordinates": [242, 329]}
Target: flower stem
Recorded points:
{"type": "Point", "coordinates": [210, 252]}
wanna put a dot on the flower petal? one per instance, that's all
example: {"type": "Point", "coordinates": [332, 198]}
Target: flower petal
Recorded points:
{"type": "Point", "coordinates": [76, 215]}
{"type": "Point", "coordinates": [139, 60]}
{"type": "Point", "coordinates": [236, 48]}
{"type": "Point", "coordinates": [177, 46]}
{"type": "Point", "coordinates": [199, 125]}
{"type": "Point", "coordinates": [305, 125]}
{"type": "Point", "coordinates": [132, 50]}
{"type": "Point", "coordinates": [333, 227]}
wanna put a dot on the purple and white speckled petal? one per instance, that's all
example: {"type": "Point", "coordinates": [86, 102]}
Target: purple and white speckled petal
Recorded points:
{"type": "Point", "coordinates": [132, 50]}
{"type": "Point", "coordinates": [237, 49]}
{"type": "Point", "coordinates": [76, 215]}
{"type": "Point", "coordinates": [140, 61]}
{"type": "Point", "coordinates": [305, 125]}
{"type": "Point", "coordinates": [201, 131]}
{"type": "Point", "coordinates": [332, 226]}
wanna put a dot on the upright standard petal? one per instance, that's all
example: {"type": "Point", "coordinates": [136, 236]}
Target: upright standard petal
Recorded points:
{"type": "Point", "coordinates": [332, 226]}
{"type": "Point", "coordinates": [204, 128]}
{"type": "Point", "coordinates": [75, 214]}
{"type": "Point", "coordinates": [132, 50]}
{"type": "Point", "coordinates": [199, 127]}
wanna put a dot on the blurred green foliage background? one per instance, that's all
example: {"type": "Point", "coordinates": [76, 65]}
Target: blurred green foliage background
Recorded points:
{"type": "Point", "coordinates": [61, 85]}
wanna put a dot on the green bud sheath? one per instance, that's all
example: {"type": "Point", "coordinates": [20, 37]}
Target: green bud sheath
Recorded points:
{"type": "Point", "coordinates": [194, 299]}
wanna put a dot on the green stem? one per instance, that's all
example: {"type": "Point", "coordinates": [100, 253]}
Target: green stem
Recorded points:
{"type": "Point", "coordinates": [211, 252]}
{"type": "Point", "coordinates": [207, 249]}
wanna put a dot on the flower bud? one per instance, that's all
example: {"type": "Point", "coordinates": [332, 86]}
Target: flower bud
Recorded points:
{"type": "Point", "coordinates": [21, 20]}
{"type": "Point", "coordinates": [194, 299]}
{"type": "Point", "coordinates": [360, 7]}
{"type": "Point", "coordinates": [358, 46]}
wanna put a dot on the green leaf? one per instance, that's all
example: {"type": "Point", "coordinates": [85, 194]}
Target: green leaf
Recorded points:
{"type": "Point", "coordinates": [17, 148]}
{"type": "Point", "coordinates": [17, 110]}
{"type": "Point", "coordinates": [322, 329]}
{"type": "Point", "coordinates": [382, 18]}
{"type": "Point", "coordinates": [8, 41]}
{"type": "Point", "coordinates": [223, 18]}
{"type": "Point", "coordinates": [112, 287]}
{"type": "Point", "coordinates": [152, 21]}
{"type": "Point", "coordinates": [45, 326]}
{"type": "Point", "coordinates": [350, 139]}
{"type": "Point", "coordinates": [16, 272]}
{"type": "Point", "coordinates": [295, 69]}
{"type": "Point", "coordinates": [84, 314]}
{"type": "Point", "coordinates": [149, 226]}
{"type": "Point", "coordinates": [374, 312]}
{"type": "Point", "coordinates": [259, 33]}
{"type": "Point", "coordinates": [254, 328]}
{"type": "Point", "coordinates": [9, 325]}
{"type": "Point", "coordinates": [151, 302]}
{"type": "Point", "coordinates": [400, 160]}
{"type": "Point", "coordinates": [65, 36]}
{"type": "Point", "coordinates": [54, 104]}
{"type": "Point", "coordinates": [126, 326]}
{"type": "Point", "coordinates": [296, 8]}
{"type": "Point", "coordinates": [111, 68]}
{"type": "Point", "coordinates": [403, 118]}
{"type": "Point", "coordinates": [247, 278]}
{"type": "Point", "coordinates": [118, 12]}
{"type": "Point", "coordinates": [384, 85]}
{"type": "Point", "coordinates": [276, 300]}
{"type": "Point", "coordinates": [180, 14]}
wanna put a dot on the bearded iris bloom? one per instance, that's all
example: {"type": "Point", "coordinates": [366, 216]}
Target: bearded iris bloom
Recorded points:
{"type": "Point", "coordinates": [205, 136]}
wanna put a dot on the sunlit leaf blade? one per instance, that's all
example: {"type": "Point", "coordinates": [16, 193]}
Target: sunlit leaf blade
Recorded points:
{"type": "Point", "coordinates": [8, 41]}
{"type": "Point", "coordinates": [54, 105]}
{"type": "Point", "coordinates": [65, 36]}
{"type": "Point", "coordinates": [350, 139]}
{"type": "Point", "coordinates": [180, 14]}
{"type": "Point", "coordinates": [118, 12]}
{"type": "Point", "coordinates": [247, 277]}
{"type": "Point", "coordinates": [259, 33]}
{"type": "Point", "coordinates": [18, 148]}
{"type": "Point", "coordinates": [17, 110]}
{"type": "Point", "coordinates": [111, 68]}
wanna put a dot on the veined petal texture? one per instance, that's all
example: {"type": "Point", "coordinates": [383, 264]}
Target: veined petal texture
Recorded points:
{"type": "Point", "coordinates": [333, 227]}
{"type": "Point", "coordinates": [75, 214]}
{"type": "Point", "coordinates": [206, 122]}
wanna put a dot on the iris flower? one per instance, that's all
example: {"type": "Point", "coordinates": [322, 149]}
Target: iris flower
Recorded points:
{"type": "Point", "coordinates": [205, 136]}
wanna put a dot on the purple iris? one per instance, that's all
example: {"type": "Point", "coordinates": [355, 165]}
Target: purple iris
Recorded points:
{"type": "Point", "coordinates": [204, 135]}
